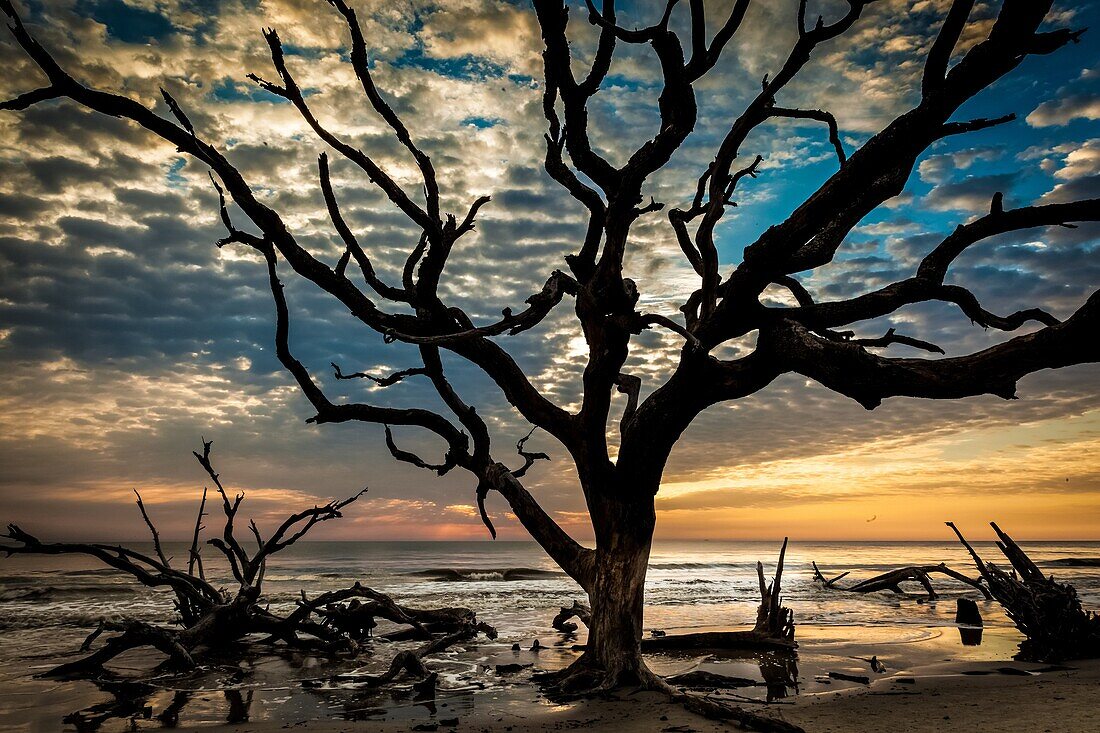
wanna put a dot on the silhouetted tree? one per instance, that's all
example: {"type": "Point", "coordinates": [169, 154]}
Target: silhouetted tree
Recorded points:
{"type": "Point", "coordinates": [805, 338]}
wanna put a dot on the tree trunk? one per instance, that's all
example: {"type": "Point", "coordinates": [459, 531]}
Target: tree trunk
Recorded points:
{"type": "Point", "coordinates": [624, 535]}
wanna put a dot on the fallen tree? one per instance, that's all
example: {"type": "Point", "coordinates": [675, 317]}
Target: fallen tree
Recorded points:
{"type": "Point", "coordinates": [210, 618]}
{"type": "Point", "coordinates": [892, 580]}
{"type": "Point", "coordinates": [1048, 613]}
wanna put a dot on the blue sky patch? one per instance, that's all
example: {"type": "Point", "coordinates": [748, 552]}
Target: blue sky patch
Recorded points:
{"type": "Point", "coordinates": [127, 23]}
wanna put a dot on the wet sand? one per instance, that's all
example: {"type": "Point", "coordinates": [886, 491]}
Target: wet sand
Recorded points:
{"type": "Point", "coordinates": [928, 685]}
{"type": "Point", "coordinates": [941, 697]}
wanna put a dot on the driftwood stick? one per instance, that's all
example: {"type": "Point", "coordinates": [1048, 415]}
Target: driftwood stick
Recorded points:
{"type": "Point", "coordinates": [194, 555]}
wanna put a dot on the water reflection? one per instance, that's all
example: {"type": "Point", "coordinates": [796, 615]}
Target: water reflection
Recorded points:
{"type": "Point", "coordinates": [133, 701]}
{"type": "Point", "coordinates": [779, 671]}
{"type": "Point", "coordinates": [129, 702]}
{"type": "Point", "coordinates": [971, 635]}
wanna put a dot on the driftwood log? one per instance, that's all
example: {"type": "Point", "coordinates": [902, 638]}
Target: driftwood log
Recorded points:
{"type": "Point", "coordinates": [210, 619]}
{"type": "Point", "coordinates": [1048, 613]}
{"type": "Point", "coordinates": [773, 630]}
{"type": "Point", "coordinates": [892, 580]}
{"type": "Point", "coordinates": [774, 627]}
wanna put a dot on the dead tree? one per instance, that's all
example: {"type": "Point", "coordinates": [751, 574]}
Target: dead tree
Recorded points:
{"type": "Point", "coordinates": [1049, 614]}
{"type": "Point", "coordinates": [892, 580]}
{"type": "Point", "coordinates": [812, 337]}
{"type": "Point", "coordinates": [210, 618]}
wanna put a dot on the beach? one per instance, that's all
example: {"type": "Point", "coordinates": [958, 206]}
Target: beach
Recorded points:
{"type": "Point", "coordinates": [50, 604]}
{"type": "Point", "coordinates": [948, 696]}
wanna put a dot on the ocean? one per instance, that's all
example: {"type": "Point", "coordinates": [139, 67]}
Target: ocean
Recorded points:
{"type": "Point", "coordinates": [48, 604]}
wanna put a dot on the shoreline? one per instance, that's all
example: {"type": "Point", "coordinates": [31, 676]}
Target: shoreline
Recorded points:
{"type": "Point", "coordinates": [290, 692]}
{"type": "Point", "coordinates": [941, 696]}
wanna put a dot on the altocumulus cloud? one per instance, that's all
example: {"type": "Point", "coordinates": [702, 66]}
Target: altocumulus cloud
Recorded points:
{"type": "Point", "coordinates": [126, 334]}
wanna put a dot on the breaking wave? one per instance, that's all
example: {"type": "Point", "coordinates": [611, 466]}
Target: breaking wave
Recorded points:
{"type": "Point", "coordinates": [456, 575]}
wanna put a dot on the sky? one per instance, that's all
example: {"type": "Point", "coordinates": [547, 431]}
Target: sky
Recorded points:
{"type": "Point", "coordinates": [126, 335]}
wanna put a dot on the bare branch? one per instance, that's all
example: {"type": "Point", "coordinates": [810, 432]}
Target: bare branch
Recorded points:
{"type": "Point", "coordinates": [152, 530]}
{"type": "Point", "coordinates": [704, 58]}
{"type": "Point", "coordinates": [350, 242]}
{"type": "Point", "coordinates": [890, 337]}
{"type": "Point", "coordinates": [177, 111]}
{"type": "Point", "coordinates": [631, 386]}
{"type": "Point", "coordinates": [194, 555]}
{"type": "Point", "coordinates": [407, 457]}
{"type": "Point", "coordinates": [539, 305]}
{"type": "Point", "coordinates": [655, 319]}
{"type": "Point", "coordinates": [361, 65]}
{"type": "Point", "coordinates": [814, 114]}
{"type": "Point", "coordinates": [981, 123]}
{"type": "Point", "coordinates": [852, 371]}
{"type": "Point", "coordinates": [528, 457]}
{"type": "Point", "coordinates": [28, 99]}
{"type": "Point", "coordinates": [385, 381]}
{"type": "Point", "coordinates": [935, 66]}
{"type": "Point", "coordinates": [293, 94]}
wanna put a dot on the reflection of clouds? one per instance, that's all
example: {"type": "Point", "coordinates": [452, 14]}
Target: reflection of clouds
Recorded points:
{"type": "Point", "coordinates": [125, 334]}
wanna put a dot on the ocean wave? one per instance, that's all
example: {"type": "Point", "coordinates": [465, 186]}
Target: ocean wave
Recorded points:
{"type": "Point", "coordinates": [50, 592]}
{"type": "Point", "coordinates": [457, 575]}
{"type": "Point", "coordinates": [699, 565]}
{"type": "Point", "coordinates": [1074, 562]}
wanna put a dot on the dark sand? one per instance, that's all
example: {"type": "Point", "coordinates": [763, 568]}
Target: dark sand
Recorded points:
{"type": "Point", "coordinates": [941, 698]}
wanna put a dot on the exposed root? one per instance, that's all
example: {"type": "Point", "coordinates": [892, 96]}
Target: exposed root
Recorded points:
{"type": "Point", "coordinates": [410, 664]}
{"type": "Point", "coordinates": [709, 707]}
{"type": "Point", "coordinates": [585, 678]}
{"type": "Point", "coordinates": [1048, 613]}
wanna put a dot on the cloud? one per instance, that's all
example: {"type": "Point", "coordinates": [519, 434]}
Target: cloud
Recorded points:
{"type": "Point", "coordinates": [970, 194]}
{"type": "Point", "coordinates": [125, 335]}
{"type": "Point", "coordinates": [941, 167]}
{"type": "Point", "coordinates": [1064, 111]}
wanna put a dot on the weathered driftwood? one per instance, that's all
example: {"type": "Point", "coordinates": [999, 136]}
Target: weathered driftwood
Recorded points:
{"type": "Point", "coordinates": [209, 618]}
{"type": "Point", "coordinates": [701, 679]}
{"type": "Point", "coordinates": [411, 663]}
{"type": "Point", "coordinates": [1048, 613]}
{"type": "Point", "coordinates": [578, 611]}
{"type": "Point", "coordinates": [892, 580]}
{"type": "Point", "coordinates": [357, 618]}
{"type": "Point", "coordinates": [774, 628]}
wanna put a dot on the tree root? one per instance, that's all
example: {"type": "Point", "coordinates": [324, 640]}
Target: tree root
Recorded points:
{"type": "Point", "coordinates": [584, 679]}
{"type": "Point", "coordinates": [1048, 613]}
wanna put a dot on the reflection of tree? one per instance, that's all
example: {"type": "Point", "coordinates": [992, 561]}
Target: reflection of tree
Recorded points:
{"type": "Point", "coordinates": [238, 705]}
{"type": "Point", "coordinates": [129, 701]}
{"type": "Point", "coordinates": [780, 672]}
{"type": "Point", "coordinates": [170, 716]}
